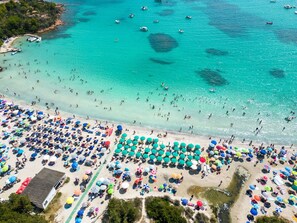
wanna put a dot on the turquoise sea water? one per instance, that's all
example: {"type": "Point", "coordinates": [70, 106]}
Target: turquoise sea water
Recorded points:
{"type": "Point", "coordinates": [115, 64]}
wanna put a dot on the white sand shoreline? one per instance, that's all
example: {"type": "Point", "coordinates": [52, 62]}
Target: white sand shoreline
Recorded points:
{"type": "Point", "coordinates": [7, 45]}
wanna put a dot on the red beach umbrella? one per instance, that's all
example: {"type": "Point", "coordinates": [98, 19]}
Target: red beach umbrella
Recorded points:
{"type": "Point", "coordinates": [202, 160]}
{"type": "Point", "coordinates": [106, 144]}
{"type": "Point", "coordinates": [199, 203]}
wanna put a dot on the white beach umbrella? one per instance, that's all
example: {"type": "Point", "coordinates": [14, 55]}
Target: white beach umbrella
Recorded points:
{"type": "Point", "coordinates": [194, 167]}
{"type": "Point", "coordinates": [46, 157]}
{"type": "Point", "coordinates": [194, 162]}
{"type": "Point", "coordinates": [53, 159]}
{"type": "Point", "coordinates": [103, 150]}
{"type": "Point", "coordinates": [125, 185]}
{"type": "Point", "coordinates": [103, 187]}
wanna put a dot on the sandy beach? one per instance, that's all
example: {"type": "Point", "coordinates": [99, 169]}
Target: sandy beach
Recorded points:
{"type": "Point", "coordinates": [238, 212]}
{"type": "Point", "coordinates": [8, 45]}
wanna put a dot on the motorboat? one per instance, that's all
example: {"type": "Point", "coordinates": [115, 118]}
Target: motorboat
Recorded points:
{"type": "Point", "coordinates": [144, 8]}
{"type": "Point", "coordinates": [212, 90]}
{"type": "Point", "coordinates": [131, 16]}
{"type": "Point", "coordinates": [181, 31]}
{"type": "Point", "coordinates": [295, 12]}
{"type": "Point", "coordinates": [15, 51]}
{"type": "Point", "coordinates": [38, 39]}
{"type": "Point", "coordinates": [188, 17]}
{"type": "Point", "coordinates": [288, 6]}
{"type": "Point", "coordinates": [32, 39]}
{"type": "Point", "coordinates": [156, 21]}
{"type": "Point", "coordinates": [117, 21]}
{"type": "Point", "coordinates": [143, 29]}
{"type": "Point", "coordinates": [269, 23]}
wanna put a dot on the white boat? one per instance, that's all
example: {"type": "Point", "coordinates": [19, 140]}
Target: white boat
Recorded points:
{"type": "Point", "coordinates": [144, 8]}
{"type": "Point", "coordinates": [117, 21]}
{"type": "Point", "coordinates": [288, 6]}
{"type": "Point", "coordinates": [143, 29]}
{"type": "Point", "coordinates": [38, 39]}
{"type": "Point", "coordinates": [188, 17]}
{"type": "Point", "coordinates": [156, 21]}
{"type": "Point", "coordinates": [212, 90]}
{"type": "Point", "coordinates": [32, 39]}
{"type": "Point", "coordinates": [131, 15]}
{"type": "Point", "coordinates": [181, 31]}
{"type": "Point", "coordinates": [295, 12]}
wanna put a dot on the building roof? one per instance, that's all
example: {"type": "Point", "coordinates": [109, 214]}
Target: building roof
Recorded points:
{"type": "Point", "coordinates": [41, 185]}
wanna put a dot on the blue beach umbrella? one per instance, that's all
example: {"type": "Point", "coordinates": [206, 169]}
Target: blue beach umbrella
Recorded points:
{"type": "Point", "coordinates": [12, 179]}
{"type": "Point", "coordinates": [80, 213]}
{"type": "Point", "coordinates": [74, 165]}
{"type": "Point", "coordinates": [184, 201]}
{"type": "Point", "coordinates": [263, 152]}
{"type": "Point", "coordinates": [120, 128]}
{"type": "Point", "coordinates": [78, 220]}
{"type": "Point", "coordinates": [214, 142]}
{"type": "Point", "coordinates": [252, 187]}
{"type": "Point", "coordinates": [254, 211]}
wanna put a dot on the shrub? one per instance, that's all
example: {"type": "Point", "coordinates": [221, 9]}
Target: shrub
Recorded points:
{"type": "Point", "coordinates": [272, 219]}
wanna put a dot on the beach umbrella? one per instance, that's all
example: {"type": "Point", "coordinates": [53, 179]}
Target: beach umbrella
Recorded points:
{"type": "Point", "coordinates": [166, 159]}
{"type": "Point", "coordinates": [268, 188]}
{"type": "Point", "coordinates": [117, 151]}
{"type": "Point", "coordinates": [129, 141]}
{"type": "Point", "coordinates": [33, 155]}
{"type": "Point", "coordinates": [77, 192]}
{"type": "Point", "coordinates": [85, 177]}
{"type": "Point", "coordinates": [257, 197]}
{"type": "Point", "coordinates": [190, 146]}
{"type": "Point", "coordinates": [95, 189]}
{"type": "Point", "coordinates": [184, 150]}
{"type": "Point", "coordinates": [160, 152]}
{"type": "Point", "coordinates": [142, 138]}
{"type": "Point", "coordinates": [124, 135]}
{"type": "Point", "coordinates": [197, 158]}
{"type": "Point", "coordinates": [110, 191]}
{"type": "Point", "coordinates": [263, 152]}
{"type": "Point", "coordinates": [125, 185]}
{"type": "Point", "coordinates": [138, 154]}
{"type": "Point", "coordinates": [126, 147]}
{"type": "Point", "coordinates": [46, 157]}
{"type": "Point", "coordinates": [279, 199]}
{"type": "Point", "coordinates": [173, 160]}
{"type": "Point", "coordinates": [124, 152]}
{"type": "Point", "coordinates": [4, 168]}
{"type": "Point", "coordinates": [202, 160]}
{"type": "Point", "coordinates": [149, 140]}
{"type": "Point", "coordinates": [118, 165]}
{"type": "Point", "coordinates": [73, 156]}
{"type": "Point", "coordinates": [80, 213]}
{"type": "Point", "coordinates": [197, 152]}
{"type": "Point", "coordinates": [69, 200]}
{"type": "Point", "coordinates": [162, 146]}
{"type": "Point", "coordinates": [133, 148]}
{"type": "Point", "coordinates": [175, 154]}
{"type": "Point", "coordinates": [131, 153]}
{"type": "Point", "coordinates": [176, 148]}
{"type": "Point", "coordinates": [190, 157]}
{"type": "Point", "coordinates": [159, 158]}
{"type": "Point", "coordinates": [136, 138]}
{"type": "Point", "coordinates": [197, 146]}
{"type": "Point", "coordinates": [175, 144]}
{"type": "Point", "coordinates": [78, 220]}
{"type": "Point", "coordinates": [120, 128]}
{"type": "Point", "coordinates": [154, 151]}
{"type": "Point", "coordinates": [135, 143]}
{"type": "Point", "coordinates": [168, 153]}
{"type": "Point", "coordinates": [155, 146]}
{"type": "Point", "coordinates": [264, 193]}
{"type": "Point", "coordinates": [119, 146]}
{"type": "Point", "coordinates": [147, 150]}
{"type": "Point", "coordinates": [156, 140]}
{"type": "Point", "coordinates": [12, 179]}
{"type": "Point", "coordinates": [199, 203]}
{"type": "Point", "coordinates": [182, 156]}
{"type": "Point", "coordinates": [184, 201]}
{"type": "Point", "coordinates": [194, 162]}
{"type": "Point", "coordinates": [152, 157]}
{"type": "Point", "coordinates": [121, 140]}
{"type": "Point", "coordinates": [145, 156]}
{"type": "Point", "coordinates": [183, 145]}
{"type": "Point", "coordinates": [213, 142]}
{"type": "Point", "coordinates": [74, 165]}
{"type": "Point", "coordinates": [189, 163]}
{"type": "Point", "coordinates": [181, 162]}
{"type": "Point", "coordinates": [254, 211]}
{"type": "Point", "coordinates": [252, 187]}
{"type": "Point", "coordinates": [103, 187]}
{"type": "Point", "coordinates": [194, 167]}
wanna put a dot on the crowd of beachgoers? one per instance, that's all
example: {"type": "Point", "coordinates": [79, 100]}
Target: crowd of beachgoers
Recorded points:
{"type": "Point", "coordinates": [106, 160]}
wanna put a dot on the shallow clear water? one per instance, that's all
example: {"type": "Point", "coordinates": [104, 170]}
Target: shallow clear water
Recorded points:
{"type": "Point", "coordinates": [116, 62]}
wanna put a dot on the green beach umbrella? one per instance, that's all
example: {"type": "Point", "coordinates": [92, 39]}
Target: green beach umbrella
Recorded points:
{"type": "Point", "coordinates": [173, 160]}
{"type": "Point", "coordinates": [133, 148]}
{"type": "Point", "coordinates": [189, 163]}
{"type": "Point", "coordinates": [181, 162]}
{"type": "Point", "coordinates": [166, 159]}
{"type": "Point", "coordinates": [119, 146]}
{"type": "Point", "coordinates": [147, 150]}
{"type": "Point", "coordinates": [126, 147]}
{"type": "Point", "coordinates": [138, 154]}
{"type": "Point", "coordinates": [197, 152]}
{"type": "Point", "coordinates": [159, 158]}
{"type": "Point", "coordinates": [175, 144]}
{"type": "Point", "coordinates": [175, 148]}
{"type": "Point", "coordinates": [110, 186]}
{"type": "Point", "coordinates": [145, 156]}
{"type": "Point", "coordinates": [155, 146]}
{"type": "Point", "coordinates": [154, 151]}
{"type": "Point", "coordinates": [117, 151]}
{"type": "Point", "coordinates": [191, 146]}
{"type": "Point", "coordinates": [190, 157]}
{"type": "Point", "coordinates": [152, 157]}
{"type": "Point", "coordinates": [124, 152]}
{"type": "Point", "coordinates": [162, 146]}
{"type": "Point", "coordinates": [110, 191]}
{"type": "Point", "coordinates": [142, 138]}
{"type": "Point", "coordinates": [184, 150]}
{"type": "Point", "coordinates": [149, 140]}
{"type": "Point", "coordinates": [124, 135]}
{"type": "Point", "coordinates": [129, 141]}
{"type": "Point", "coordinates": [182, 156]}
{"type": "Point", "coordinates": [156, 140]}
{"type": "Point", "coordinates": [175, 154]}
{"type": "Point", "coordinates": [121, 140]}
{"type": "Point", "coordinates": [136, 138]}
{"type": "Point", "coordinates": [182, 145]}
{"type": "Point", "coordinates": [268, 188]}
{"type": "Point", "coordinates": [135, 142]}
{"type": "Point", "coordinates": [168, 153]}
{"type": "Point", "coordinates": [4, 168]}
{"type": "Point", "coordinates": [197, 146]}
{"type": "Point", "coordinates": [160, 152]}
{"type": "Point", "coordinates": [131, 153]}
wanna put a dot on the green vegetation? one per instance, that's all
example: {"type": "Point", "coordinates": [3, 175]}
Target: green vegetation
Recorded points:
{"type": "Point", "coordinates": [67, 180]}
{"type": "Point", "coordinates": [53, 208]}
{"type": "Point", "coordinates": [273, 219]}
{"type": "Point", "coordinates": [26, 16]}
{"type": "Point", "coordinates": [121, 211]}
{"type": "Point", "coordinates": [161, 211]}
{"type": "Point", "coordinates": [18, 209]}
{"type": "Point", "coordinates": [200, 217]}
